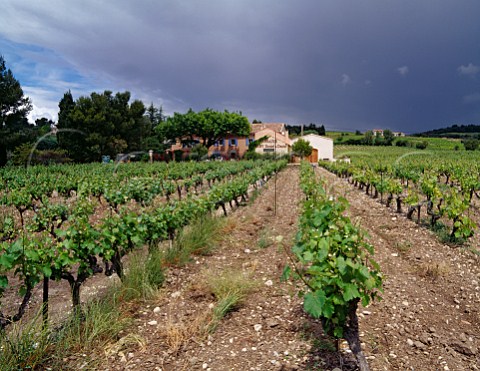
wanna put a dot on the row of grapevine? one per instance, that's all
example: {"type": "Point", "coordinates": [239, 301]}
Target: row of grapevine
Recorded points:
{"type": "Point", "coordinates": [61, 240]}
{"type": "Point", "coordinates": [24, 187]}
{"type": "Point", "coordinates": [28, 197]}
{"type": "Point", "coordinates": [335, 263]}
{"type": "Point", "coordinates": [443, 189]}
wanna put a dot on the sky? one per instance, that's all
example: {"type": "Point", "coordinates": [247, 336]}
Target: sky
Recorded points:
{"type": "Point", "coordinates": [405, 65]}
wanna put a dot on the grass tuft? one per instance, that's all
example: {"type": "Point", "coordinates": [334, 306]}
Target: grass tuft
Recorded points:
{"type": "Point", "coordinates": [230, 288]}
{"type": "Point", "coordinates": [99, 323]}
{"type": "Point", "coordinates": [27, 345]}
{"type": "Point", "coordinates": [176, 335]}
{"type": "Point", "coordinates": [124, 344]}
{"type": "Point", "coordinates": [145, 275]}
{"type": "Point", "coordinates": [443, 234]}
{"type": "Point", "coordinates": [403, 246]}
{"type": "Point", "coordinates": [24, 346]}
{"type": "Point", "coordinates": [201, 237]}
{"type": "Point", "coordinates": [434, 270]}
{"type": "Point", "coordinates": [264, 239]}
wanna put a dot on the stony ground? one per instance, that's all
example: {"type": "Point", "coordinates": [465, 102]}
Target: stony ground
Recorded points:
{"type": "Point", "coordinates": [429, 318]}
{"type": "Point", "coordinates": [268, 332]}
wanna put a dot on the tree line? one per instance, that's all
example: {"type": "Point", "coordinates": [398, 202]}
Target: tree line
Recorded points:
{"type": "Point", "coordinates": [296, 130]}
{"type": "Point", "coordinates": [454, 131]}
{"type": "Point", "coordinates": [102, 124]}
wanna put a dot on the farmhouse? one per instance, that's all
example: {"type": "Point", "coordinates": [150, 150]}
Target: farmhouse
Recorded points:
{"type": "Point", "coordinates": [322, 147]}
{"type": "Point", "coordinates": [277, 140]}
{"type": "Point", "coordinates": [379, 133]}
{"type": "Point", "coordinates": [233, 147]}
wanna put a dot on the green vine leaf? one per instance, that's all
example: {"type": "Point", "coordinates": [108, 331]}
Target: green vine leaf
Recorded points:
{"type": "Point", "coordinates": [314, 303]}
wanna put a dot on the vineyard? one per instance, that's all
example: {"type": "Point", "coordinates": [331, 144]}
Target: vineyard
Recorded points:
{"type": "Point", "coordinates": [355, 241]}
{"type": "Point", "coordinates": [441, 186]}
{"type": "Point", "coordinates": [53, 234]}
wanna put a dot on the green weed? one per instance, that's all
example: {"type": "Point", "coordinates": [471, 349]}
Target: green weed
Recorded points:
{"type": "Point", "coordinates": [230, 288]}
{"type": "Point", "coordinates": [24, 346]}
{"type": "Point", "coordinates": [145, 275]}
{"type": "Point", "coordinates": [201, 237]}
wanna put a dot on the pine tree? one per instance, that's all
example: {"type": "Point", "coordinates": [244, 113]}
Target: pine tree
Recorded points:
{"type": "Point", "coordinates": [14, 108]}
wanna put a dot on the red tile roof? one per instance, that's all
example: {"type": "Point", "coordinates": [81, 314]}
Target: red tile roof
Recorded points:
{"type": "Point", "coordinates": [275, 126]}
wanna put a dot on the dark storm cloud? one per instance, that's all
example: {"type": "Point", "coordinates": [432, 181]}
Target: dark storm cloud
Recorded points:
{"type": "Point", "coordinates": [406, 65]}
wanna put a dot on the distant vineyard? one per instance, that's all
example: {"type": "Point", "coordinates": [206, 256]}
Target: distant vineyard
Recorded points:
{"type": "Point", "coordinates": [444, 185]}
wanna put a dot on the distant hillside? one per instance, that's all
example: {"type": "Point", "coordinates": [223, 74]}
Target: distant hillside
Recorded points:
{"type": "Point", "coordinates": [455, 131]}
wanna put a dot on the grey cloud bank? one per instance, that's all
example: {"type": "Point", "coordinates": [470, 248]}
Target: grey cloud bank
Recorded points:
{"type": "Point", "coordinates": [404, 65]}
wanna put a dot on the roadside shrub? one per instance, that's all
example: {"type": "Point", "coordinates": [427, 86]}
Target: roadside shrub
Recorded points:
{"type": "Point", "coordinates": [402, 143]}
{"type": "Point", "coordinates": [252, 156]}
{"type": "Point", "coordinates": [178, 155]}
{"type": "Point", "coordinates": [25, 154]}
{"type": "Point", "coordinates": [421, 145]}
{"type": "Point", "coordinates": [471, 144]}
{"type": "Point", "coordinates": [353, 141]}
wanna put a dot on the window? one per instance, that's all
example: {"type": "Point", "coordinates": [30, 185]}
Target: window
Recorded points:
{"type": "Point", "coordinates": [222, 142]}
{"type": "Point", "coordinates": [233, 142]}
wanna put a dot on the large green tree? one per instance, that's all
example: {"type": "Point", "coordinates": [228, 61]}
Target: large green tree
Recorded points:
{"type": "Point", "coordinates": [207, 126]}
{"type": "Point", "coordinates": [388, 137]}
{"type": "Point", "coordinates": [302, 148]}
{"type": "Point", "coordinates": [14, 108]}
{"type": "Point", "coordinates": [101, 124]}
{"type": "Point", "coordinates": [369, 138]}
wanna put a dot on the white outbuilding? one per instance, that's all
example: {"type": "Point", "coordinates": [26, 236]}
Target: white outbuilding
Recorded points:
{"type": "Point", "coordinates": [322, 147]}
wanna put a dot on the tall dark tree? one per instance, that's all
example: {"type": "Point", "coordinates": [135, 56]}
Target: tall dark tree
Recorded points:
{"type": "Point", "coordinates": [321, 130]}
{"type": "Point", "coordinates": [44, 126]}
{"type": "Point", "coordinates": [101, 124]}
{"type": "Point", "coordinates": [14, 108]}
{"type": "Point", "coordinates": [154, 116]}
{"type": "Point", "coordinates": [72, 139]}
{"type": "Point", "coordinates": [307, 129]}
